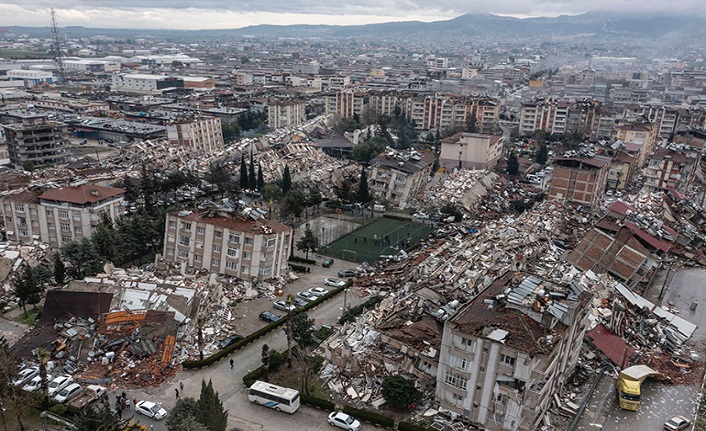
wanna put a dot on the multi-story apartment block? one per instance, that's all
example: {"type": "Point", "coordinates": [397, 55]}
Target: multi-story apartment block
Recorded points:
{"type": "Point", "coordinates": [671, 168]}
{"type": "Point", "coordinates": [202, 135]}
{"type": "Point", "coordinates": [61, 215]}
{"type": "Point", "coordinates": [583, 116]}
{"type": "Point", "coordinates": [222, 243]}
{"type": "Point", "coordinates": [639, 132]}
{"type": "Point", "coordinates": [505, 354]}
{"type": "Point", "coordinates": [580, 181]}
{"type": "Point", "coordinates": [471, 151]}
{"type": "Point", "coordinates": [285, 113]}
{"type": "Point", "coordinates": [621, 170]}
{"type": "Point", "coordinates": [33, 138]}
{"type": "Point", "coordinates": [545, 114]}
{"type": "Point", "coordinates": [347, 103]}
{"type": "Point", "coordinates": [399, 178]}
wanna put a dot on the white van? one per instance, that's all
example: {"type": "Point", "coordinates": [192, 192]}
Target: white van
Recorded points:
{"type": "Point", "coordinates": [74, 389]}
{"type": "Point", "coordinates": [379, 208]}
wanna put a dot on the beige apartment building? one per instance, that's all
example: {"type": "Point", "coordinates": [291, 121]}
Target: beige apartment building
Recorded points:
{"type": "Point", "coordinates": [240, 246]}
{"type": "Point", "coordinates": [399, 178]}
{"type": "Point", "coordinates": [202, 135]}
{"type": "Point", "coordinates": [505, 354]}
{"type": "Point", "coordinates": [471, 151]}
{"type": "Point", "coordinates": [60, 215]}
{"type": "Point", "coordinates": [285, 113]}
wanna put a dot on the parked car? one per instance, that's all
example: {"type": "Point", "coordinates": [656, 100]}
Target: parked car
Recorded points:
{"type": "Point", "coordinates": [25, 375]}
{"type": "Point", "coordinates": [151, 410]}
{"type": "Point", "coordinates": [34, 384]}
{"type": "Point", "coordinates": [335, 282]}
{"type": "Point", "coordinates": [318, 291]}
{"type": "Point", "coordinates": [307, 296]}
{"type": "Point", "coordinates": [269, 316]}
{"type": "Point", "coordinates": [71, 391]}
{"type": "Point", "coordinates": [677, 423]}
{"type": "Point", "coordinates": [327, 263]}
{"type": "Point", "coordinates": [58, 384]}
{"type": "Point", "coordinates": [299, 302]}
{"type": "Point", "coordinates": [222, 344]}
{"type": "Point", "coordinates": [282, 305]}
{"type": "Point", "coordinates": [347, 273]}
{"type": "Point", "coordinates": [344, 421]}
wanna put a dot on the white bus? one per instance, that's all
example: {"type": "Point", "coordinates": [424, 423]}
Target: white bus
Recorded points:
{"type": "Point", "coordinates": [273, 396]}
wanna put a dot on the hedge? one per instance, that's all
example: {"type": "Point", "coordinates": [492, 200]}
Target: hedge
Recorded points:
{"type": "Point", "coordinates": [408, 426]}
{"type": "Point", "coordinates": [252, 376]}
{"type": "Point", "coordinates": [368, 416]}
{"type": "Point", "coordinates": [259, 333]}
{"type": "Point", "coordinates": [299, 268]}
{"type": "Point", "coordinates": [302, 260]}
{"type": "Point", "coordinates": [318, 402]}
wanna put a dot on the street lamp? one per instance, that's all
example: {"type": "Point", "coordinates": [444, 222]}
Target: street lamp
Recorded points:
{"type": "Point", "coordinates": [291, 249]}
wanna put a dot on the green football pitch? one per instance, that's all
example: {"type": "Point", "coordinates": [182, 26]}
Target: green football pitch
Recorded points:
{"type": "Point", "coordinates": [384, 236]}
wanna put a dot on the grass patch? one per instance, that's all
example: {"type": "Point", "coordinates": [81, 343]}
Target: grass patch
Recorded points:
{"type": "Point", "coordinates": [291, 379]}
{"type": "Point", "coordinates": [31, 317]}
{"type": "Point", "coordinates": [19, 54]}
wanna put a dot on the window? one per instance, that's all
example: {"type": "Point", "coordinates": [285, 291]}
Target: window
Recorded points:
{"type": "Point", "coordinates": [77, 229]}
{"type": "Point", "coordinates": [183, 253]}
{"type": "Point", "coordinates": [172, 224]}
{"type": "Point", "coordinates": [218, 234]}
{"type": "Point", "coordinates": [184, 240]}
{"type": "Point", "coordinates": [466, 342]}
{"type": "Point", "coordinates": [23, 232]}
{"type": "Point", "coordinates": [233, 266]}
{"type": "Point", "coordinates": [21, 220]}
{"type": "Point", "coordinates": [50, 213]}
{"type": "Point", "coordinates": [215, 262]}
{"type": "Point", "coordinates": [170, 251]}
{"type": "Point", "coordinates": [509, 360]}
{"type": "Point", "coordinates": [460, 363]}
{"type": "Point", "coordinates": [65, 238]}
{"type": "Point", "coordinates": [457, 397]}
{"type": "Point", "coordinates": [33, 211]}
{"type": "Point", "coordinates": [246, 270]}
{"type": "Point", "coordinates": [234, 238]}
{"type": "Point", "coordinates": [8, 207]}
{"type": "Point", "coordinates": [65, 227]}
{"type": "Point", "coordinates": [186, 226]}
{"type": "Point", "coordinates": [271, 242]}
{"type": "Point", "coordinates": [232, 252]}
{"type": "Point", "coordinates": [8, 219]}
{"type": "Point", "coordinates": [248, 241]}
{"type": "Point", "coordinates": [502, 399]}
{"type": "Point", "coordinates": [267, 270]}
{"type": "Point", "coordinates": [20, 208]}
{"type": "Point", "coordinates": [197, 258]}
{"type": "Point", "coordinates": [200, 230]}
{"type": "Point", "coordinates": [246, 255]}
{"type": "Point", "coordinates": [454, 379]}
{"type": "Point", "coordinates": [63, 214]}
{"type": "Point", "coordinates": [216, 248]}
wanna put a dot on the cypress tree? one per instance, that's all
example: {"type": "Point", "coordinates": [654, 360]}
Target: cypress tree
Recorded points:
{"type": "Point", "coordinates": [286, 180]}
{"type": "Point", "coordinates": [252, 181]}
{"type": "Point", "coordinates": [243, 174]}
{"type": "Point", "coordinates": [363, 195]}
{"type": "Point", "coordinates": [260, 178]}
{"type": "Point", "coordinates": [211, 412]}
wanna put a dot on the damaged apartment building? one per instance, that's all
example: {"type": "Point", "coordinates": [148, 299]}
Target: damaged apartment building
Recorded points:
{"type": "Point", "coordinates": [506, 353]}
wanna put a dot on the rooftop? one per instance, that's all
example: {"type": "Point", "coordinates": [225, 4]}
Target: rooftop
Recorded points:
{"type": "Point", "coordinates": [83, 194]}
{"type": "Point", "coordinates": [235, 223]}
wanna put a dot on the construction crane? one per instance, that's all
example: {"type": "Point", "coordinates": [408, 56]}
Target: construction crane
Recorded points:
{"type": "Point", "coordinates": [57, 45]}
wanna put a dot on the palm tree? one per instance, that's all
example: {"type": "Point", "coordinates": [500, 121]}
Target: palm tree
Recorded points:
{"type": "Point", "coordinates": [199, 326]}
{"type": "Point", "coordinates": [43, 357]}
{"type": "Point", "coordinates": [290, 303]}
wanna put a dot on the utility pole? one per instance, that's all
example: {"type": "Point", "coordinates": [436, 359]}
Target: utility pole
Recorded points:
{"type": "Point", "coordinates": [57, 45]}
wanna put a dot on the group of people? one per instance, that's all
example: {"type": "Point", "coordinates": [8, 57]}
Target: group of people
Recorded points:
{"type": "Point", "coordinates": [122, 403]}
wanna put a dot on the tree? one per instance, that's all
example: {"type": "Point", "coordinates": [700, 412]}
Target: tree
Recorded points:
{"type": "Point", "coordinates": [301, 329]}
{"type": "Point", "coordinates": [59, 269]}
{"type": "Point", "coordinates": [315, 197]}
{"type": "Point", "coordinates": [400, 392]}
{"type": "Point", "coordinates": [286, 180]}
{"type": "Point", "coordinates": [43, 358]}
{"type": "Point", "coordinates": [252, 179]}
{"type": "Point", "coordinates": [199, 334]}
{"type": "Point", "coordinates": [231, 131]}
{"type": "Point", "coordinates": [513, 164]}
{"type": "Point", "coordinates": [451, 210]}
{"type": "Point", "coordinates": [148, 188]}
{"type": "Point", "coordinates": [370, 149]}
{"type": "Point", "coordinates": [211, 412]}
{"type": "Point", "coordinates": [243, 174]}
{"type": "Point", "coordinates": [471, 124]}
{"type": "Point", "coordinates": [99, 417]}
{"type": "Point", "coordinates": [26, 286]}
{"type": "Point", "coordinates": [219, 176]}
{"type": "Point", "coordinates": [260, 178]}
{"type": "Point", "coordinates": [12, 398]}
{"type": "Point", "coordinates": [308, 242]}
{"type": "Point", "coordinates": [542, 154]}
{"type": "Point", "coordinates": [307, 365]}
{"type": "Point", "coordinates": [294, 202]}
{"type": "Point", "coordinates": [290, 303]}
{"type": "Point", "coordinates": [132, 192]}
{"type": "Point", "coordinates": [82, 257]}
{"type": "Point", "coordinates": [363, 195]}
{"type": "Point", "coordinates": [265, 357]}
{"type": "Point", "coordinates": [435, 166]}
{"type": "Point", "coordinates": [272, 192]}
{"type": "Point", "coordinates": [105, 239]}
{"type": "Point", "coordinates": [185, 408]}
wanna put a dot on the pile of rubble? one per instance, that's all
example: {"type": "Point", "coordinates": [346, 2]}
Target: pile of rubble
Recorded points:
{"type": "Point", "coordinates": [12, 257]}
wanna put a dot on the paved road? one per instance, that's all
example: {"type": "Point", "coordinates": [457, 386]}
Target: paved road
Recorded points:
{"type": "Point", "coordinates": [229, 383]}
{"type": "Point", "coordinates": [659, 401]}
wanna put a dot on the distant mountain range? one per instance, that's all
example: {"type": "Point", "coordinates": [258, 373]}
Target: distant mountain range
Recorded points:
{"type": "Point", "coordinates": [596, 25]}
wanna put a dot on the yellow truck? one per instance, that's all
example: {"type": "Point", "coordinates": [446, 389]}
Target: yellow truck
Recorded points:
{"type": "Point", "coordinates": [628, 385]}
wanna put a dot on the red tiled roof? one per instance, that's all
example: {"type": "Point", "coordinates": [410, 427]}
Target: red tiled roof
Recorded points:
{"type": "Point", "coordinates": [614, 347]}
{"type": "Point", "coordinates": [621, 207]}
{"type": "Point", "coordinates": [236, 223]}
{"type": "Point", "coordinates": [25, 197]}
{"type": "Point", "coordinates": [656, 243]}
{"type": "Point", "coordinates": [84, 194]}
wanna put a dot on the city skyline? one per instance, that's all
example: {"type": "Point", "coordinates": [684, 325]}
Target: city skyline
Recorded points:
{"type": "Point", "coordinates": [209, 14]}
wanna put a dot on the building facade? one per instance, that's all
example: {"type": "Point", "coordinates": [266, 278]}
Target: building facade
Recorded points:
{"type": "Point", "coordinates": [60, 215]}
{"type": "Point", "coordinates": [202, 135]}
{"type": "Point", "coordinates": [34, 139]}
{"type": "Point", "coordinates": [548, 115]}
{"type": "Point", "coordinates": [285, 113]}
{"type": "Point", "coordinates": [500, 365]}
{"type": "Point", "coordinates": [346, 103]}
{"type": "Point", "coordinates": [233, 245]}
{"type": "Point", "coordinates": [580, 181]}
{"type": "Point", "coordinates": [398, 178]}
{"type": "Point", "coordinates": [670, 168]}
{"type": "Point", "coordinates": [471, 151]}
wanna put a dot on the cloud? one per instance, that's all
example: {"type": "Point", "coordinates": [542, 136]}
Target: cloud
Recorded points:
{"type": "Point", "coordinates": [197, 14]}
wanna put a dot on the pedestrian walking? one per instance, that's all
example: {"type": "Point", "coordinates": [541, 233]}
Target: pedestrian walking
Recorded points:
{"type": "Point", "coordinates": [231, 363]}
{"type": "Point", "coordinates": [181, 386]}
{"type": "Point", "coordinates": [120, 412]}
{"type": "Point", "coordinates": [177, 393]}
{"type": "Point", "coordinates": [134, 403]}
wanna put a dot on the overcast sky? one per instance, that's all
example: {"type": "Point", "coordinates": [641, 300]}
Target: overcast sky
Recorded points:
{"type": "Point", "coordinates": [212, 14]}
